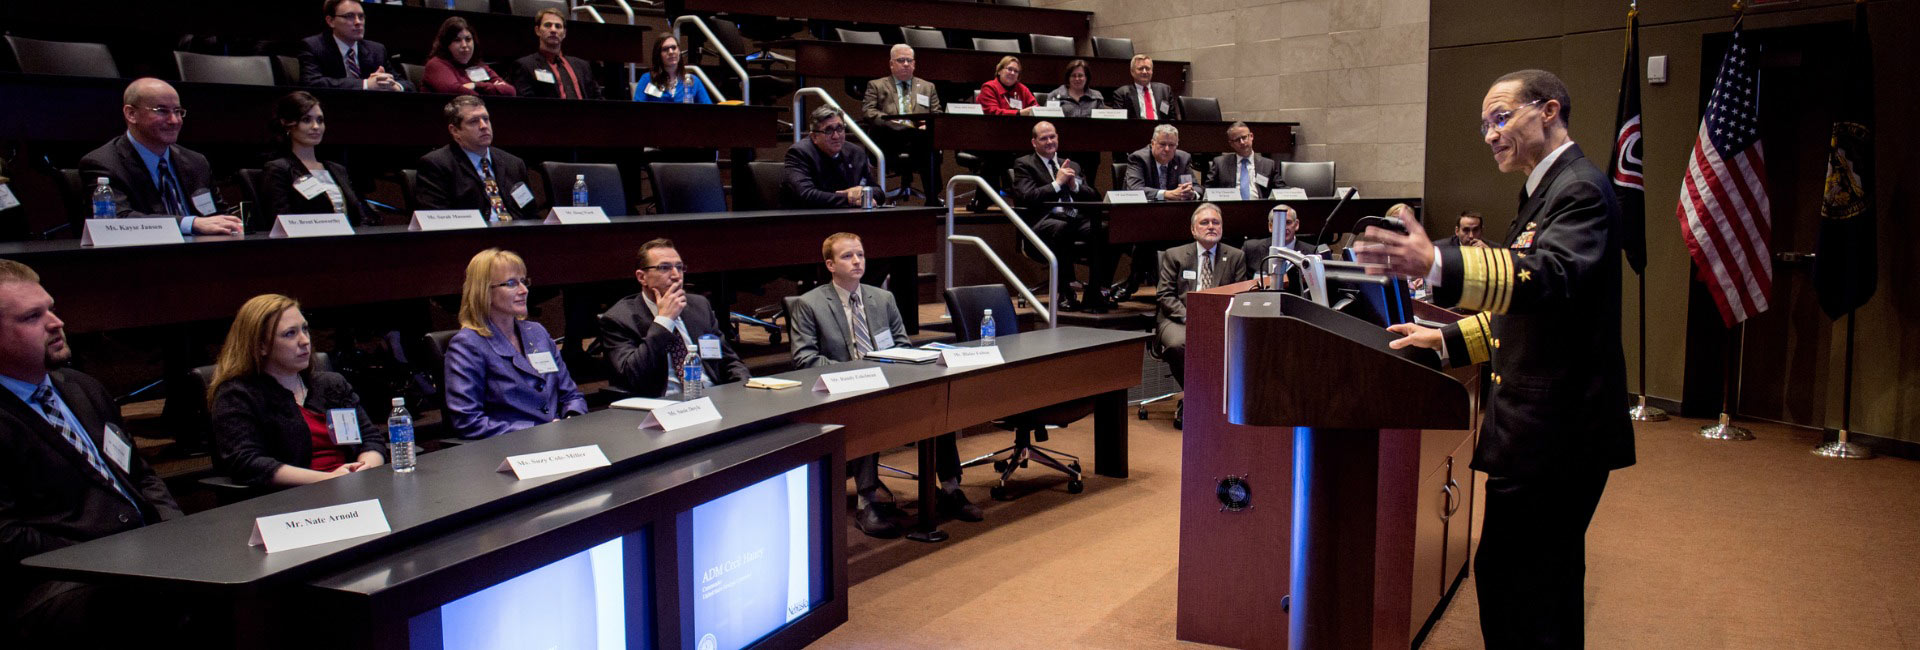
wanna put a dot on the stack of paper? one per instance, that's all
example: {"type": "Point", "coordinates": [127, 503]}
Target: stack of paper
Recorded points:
{"type": "Point", "coordinates": [771, 383]}
{"type": "Point", "coordinates": [905, 355]}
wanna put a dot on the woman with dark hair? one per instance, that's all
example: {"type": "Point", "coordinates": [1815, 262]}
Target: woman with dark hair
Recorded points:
{"type": "Point", "coordinates": [1073, 96]}
{"type": "Point", "coordinates": [455, 66]}
{"type": "Point", "coordinates": [668, 80]}
{"type": "Point", "coordinates": [297, 182]}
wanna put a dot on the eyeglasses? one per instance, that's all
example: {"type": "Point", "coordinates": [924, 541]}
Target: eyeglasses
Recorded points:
{"type": "Point", "coordinates": [514, 283]}
{"type": "Point", "coordinates": [162, 112]}
{"type": "Point", "coordinates": [352, 17]}
{"type": "Point", "coordinates": [1499, 119]}
{"type": "Point", "coordinates": [832, 130]}
{"type": "Point", "coordinates": [668, 267]}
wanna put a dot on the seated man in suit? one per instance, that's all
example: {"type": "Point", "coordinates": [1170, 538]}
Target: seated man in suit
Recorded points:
{"type": "Point", "coordinates": [1161, 168]}
{"type": "Point", "coordinates": [1044, 177]}
{"type": "Point", "coordinates": [1145, 98]}
{"type": "Point", "coordinates": [69, 475]}
{"type": "Point", "coordinates": [471, 174]}
{"type": "Point", "coordinates": [549, 72]}
{"type": "Point", "coordinates": [1256, 176]}
{"type": "Point", "coordinates": [342, 57]}
{"type": "Point", "coordinates": [904, 94]}
{"type": "Point", "coordinates": [1256, 249]}
{"type": "Point", "coordinates": [153, 176]}
{"type": "Point", "coordinates": [645, 337]}
{"type": "Point", "coordinates": [1466, 231]}
{"type": "Point", "coordinates": [823, 172]}
{"type": "Point", "coordinates": [842, 321]}
{"type": "Point", "coordinates": [1204, 265]}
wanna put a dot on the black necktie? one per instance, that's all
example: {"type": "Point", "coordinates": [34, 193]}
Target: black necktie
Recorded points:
{"type": "Point", "coordinates": [170, 191]}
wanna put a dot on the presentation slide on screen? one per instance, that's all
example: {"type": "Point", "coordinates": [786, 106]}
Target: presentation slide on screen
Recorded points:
{"type": "Point", "coordinates": [577, 602]}
{"type": "Point", "coordinates": [751, 562]}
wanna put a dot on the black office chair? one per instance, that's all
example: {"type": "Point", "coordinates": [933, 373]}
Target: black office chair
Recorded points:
{"type": "Point", "coordinates": [207, 68]}
{"type": "Point", "coordinates": [259, 216]}
{"type": "Point", "coordinates": [1200, 108]}
{"type": "Point", "coordinates": [482, 6]}
{"type": "Point", "coordinates": [763, 30]}
{"type": "Point", "coordinates": [77, 194]}
{"type": "Point", "coordinates": [605, 188]}
{"type": "Point", "coordinates": [416, 75]}
{"type": "Point", "coordinates": [1050, 44]}
{"type": "Point", "coordinates": [1112, 48]}
{"type": "Point", "coordinates": [63, 58]}
{"type": "Point", "coordinates": [688, 187]}
{"type": "Point", "coordinates": [920, 38]}
{"type": "Point", "coordinates": [855, 36]}
{"type": "Point", "coordinates": [530, 8]}
{"type": "Point", "coordinates": [1014, 3]}
{"type": "Point", "coordinates": [767, 88]}
{"type": "Point", "coordinates": [966, 305]}
{"type": "Point", "coordinates": [1314, 177]}
{"type": "Point", "coordinates": [762, 189]}
{"type": "Point", "coordinates": [434, 357]}
{"type": "Point", "coordinates": [1008, 45]}
{"type": "Point", "coordinates": [409, 179]}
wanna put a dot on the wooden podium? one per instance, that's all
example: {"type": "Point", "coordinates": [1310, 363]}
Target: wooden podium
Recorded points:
{"type": "Point", "coordinates": [1326, 500]}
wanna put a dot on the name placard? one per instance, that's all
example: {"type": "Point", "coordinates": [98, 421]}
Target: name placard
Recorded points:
{"type": "Point", "coordinates": [1109, 114]}
{"type": "Point", "coordinates": [1290, 194]}
{"type": "Point", "coordinates": [429, 220]}
{"type": "Point", "coordinates": [310, 225]}
{"type": "Point", "coordinates": [1048, 111]}
{"type": "Point", "coordinates": [135, 231]}
{"type": "Point", "coordinates": [571, 215]}
{"type": "Point", "coordinates": [1127, 196]}
{"type": "Point", "coordinates": [319, 526]}
{"type": "Point", "coordinates": [558, 461]}
{"type": "Point", "coordinates": [968, 357]}
{"type": "Point", "coordinates": [7, 200]}
{"type": "Point", "coordinates": [835, 383]}
{"type": "Point", "coordinates": [1223, 194]}
{"type": "Point", "coordinates": [681, 414]}
{"type": "Point", "coordinates": [965, 109]}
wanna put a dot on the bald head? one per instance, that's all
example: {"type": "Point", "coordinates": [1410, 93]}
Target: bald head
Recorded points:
{"type": "Point", "coordinates": [900, 62]}
{"type": "Point", "coordinates": [153, 113]}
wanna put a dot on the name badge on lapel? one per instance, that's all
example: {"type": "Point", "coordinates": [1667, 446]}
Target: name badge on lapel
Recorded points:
{"type": "Point", "coordinates": [543, 362]}
{"type": "Point", "coordinates": [117, 449]}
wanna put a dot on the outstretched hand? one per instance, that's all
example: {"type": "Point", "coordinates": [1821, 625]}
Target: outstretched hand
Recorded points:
{"type": "Point", "coordinates": [1415, 336]}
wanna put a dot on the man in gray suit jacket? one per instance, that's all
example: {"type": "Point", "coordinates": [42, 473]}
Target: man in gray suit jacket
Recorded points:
{"type": "Point", "coordinates": [1203, 265]}
{"type": "Point", "coordinates": [842, 321]}
{"type": "Point", "coordinates": [1256, 176]}
{"type": "Point", "coordinates": [904, 94]}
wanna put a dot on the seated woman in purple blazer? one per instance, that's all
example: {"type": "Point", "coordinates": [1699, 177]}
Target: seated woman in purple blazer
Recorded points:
{"type": "Point", "coordinates": [503, 372]}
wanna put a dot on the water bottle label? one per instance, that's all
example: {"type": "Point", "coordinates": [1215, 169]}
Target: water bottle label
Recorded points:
{"type": "Point", "coordinates": [400, 433]}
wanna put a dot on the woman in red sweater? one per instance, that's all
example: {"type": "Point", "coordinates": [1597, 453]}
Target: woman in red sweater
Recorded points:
{"type": "Point", "coordinates": [455, 66]}
{"type": "Point", "coordinates": [1004, 94]}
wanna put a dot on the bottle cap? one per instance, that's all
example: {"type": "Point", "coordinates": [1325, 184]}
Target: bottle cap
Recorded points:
{"type": "Point", "coordinates": [399, 401]}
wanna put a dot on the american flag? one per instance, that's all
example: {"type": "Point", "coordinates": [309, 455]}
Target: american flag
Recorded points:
{"type": "Point", "coordinates": [1723, 207]}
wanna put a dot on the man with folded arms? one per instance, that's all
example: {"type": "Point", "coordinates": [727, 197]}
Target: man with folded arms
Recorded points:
{"type": "Point", "coordinates": [471, 174]}
{"type": "Point", "coordinates": [647, 335]}
{"type": "Point", "coordinates": [153, 176]}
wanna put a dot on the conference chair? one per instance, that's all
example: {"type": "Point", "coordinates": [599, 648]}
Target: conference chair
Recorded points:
{"type": "Point", "coordinates": [918, 38]}
{"type": "Point", "coordinates": [854, 36]}
{"type": "Point", "coordinates": [767, 87]}
{"type": "Point", "coordinates": [1008, 45]}
{"type": "Point", "coordinates": [1014, 3]}
{"type": "Point", "coordinates": [1314, 177]}
{"type": "Point", "coordinates": [435, 361]}
{"type": "Point", "coordinates": [409, 179]}
{"type": "Point", "coordinates": [762, 189]}
{"type": "Point", "coordinates": [208, 68]}
{"type": "Point", "coordinates": [1157, 382]}
{"type": "Point", "coordinates": [530, 8]}
{"type": "Point", "coordinates": [763, 30]}
{"type": "Point", "coordinates": [684, 187]}
{"type": "Point", "coordinates": [605, 188]}
{"type": "Point", "coordinates": [481, 6]}
{"type": "Point", "coordinates": [225, 490]}
{"type": "Point", "coordinates": [77, 194]}
{"type": "Point", "coordinates": [63, 58]}
{"type": "Point", "coordinates": [259, 216]}
{"type": "Point", "coordinates": [1112, 48]}
{"type": "Point", "coordinates": [1204, 109]}
{"type": "Point", "coordinates": [966, 306]}
{"type": "Point", "coordinates": [416, 74]}
{"type": "Point", "coordinates": [1050, 44]}
{"type": "Point", "coordinates": [286, 70]}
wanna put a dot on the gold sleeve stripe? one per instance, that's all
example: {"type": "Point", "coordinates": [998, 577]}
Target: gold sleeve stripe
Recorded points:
{"type": "Point", "coordinates": [1473, 277]}
{"type": "Point", "coordinates": [1502, 280]}
{"type": "Point", "coordinates": [1473, 331]}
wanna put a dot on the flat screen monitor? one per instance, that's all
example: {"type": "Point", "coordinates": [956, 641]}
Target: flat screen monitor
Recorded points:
{"type": "Point", "coordinates": [753, 561]}
{"type": "Point", "coordinates": [596, 598]}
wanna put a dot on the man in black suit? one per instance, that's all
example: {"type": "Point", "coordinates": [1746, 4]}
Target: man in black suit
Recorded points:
{"type": "Point", "coordinates": [471, 174]}
{"type": "Point", "coordinates": [342, 57]}
{"type": "Point", "coordinates": [1256, 176]}
{"type": "Point", "coordinates": [1466, 231]}
{"type": "Point", "coordinates": [1549, 323]}
{"type": "Point", "coordinates": [645, 337]}
{"type": "Point", "coordinates": [1161, 168]}
{"type": "Point", "coordinates": [550, 72]}
{"type": "Point", "coordinates": [1255, 250]}
{"type": "Point", "coordinates": [68, 474]}
{"type": "Point", "coordinates": [153, 176]}
{"type": "Point", "coordinates": [1044, 177]}
{"type": "Point", "coordinates": [1145, 98]}
{"type": "Point", "coordinates": [823, 172]}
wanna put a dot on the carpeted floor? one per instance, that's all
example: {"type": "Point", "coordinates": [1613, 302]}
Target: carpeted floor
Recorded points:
{"type": "Point", "coordinates": [1701, 545]}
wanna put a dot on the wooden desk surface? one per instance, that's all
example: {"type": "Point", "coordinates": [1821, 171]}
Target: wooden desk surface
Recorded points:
{"type": "Point", "coordinates": [1015, 133]}
{"type": "Point", "coordinates": [1040, 72]}
{"type": "Point", "coordinates": [945, 14]}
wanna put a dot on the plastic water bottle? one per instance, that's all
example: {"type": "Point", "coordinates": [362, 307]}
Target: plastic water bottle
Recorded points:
{"type": "Point", "coordinates": [103, 200]}
{"type": "Point", "coordinates": [986, 327]}
{"type": "Point", "coordinates": [400, 436]}
{"type": "Point", "coordinates": [691, 385]}
{"type": "Point", "coordinates": [579, 190]}
{"type": "Point", "coordinates": [450, 4]}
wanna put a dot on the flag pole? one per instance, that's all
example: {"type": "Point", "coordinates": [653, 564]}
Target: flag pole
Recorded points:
{"type": "Point", "coordinates": [1842, 447]}
{"type": "Point", "coordinates": [1640, 412]}
{"type": "Point", "coordinates": [1725, 429]}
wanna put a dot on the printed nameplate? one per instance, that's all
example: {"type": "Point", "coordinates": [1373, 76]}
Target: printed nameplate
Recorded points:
{"type": "Point", "coordinates": [836, 383]}
{"type": "Point", "coordinates": [965, 109]}
{"type": "Point", "coordinates": [572, 215]}
{"type": "Point", "coordinates": [319, 526]}
{"type": "Point", "coordinates": [310, 225]}
{"type": "Point", "coordinates": [1049, 111]}
{"type": "Point", "coordinates": [1127, 196]}
{"type": "Point", "coordinates": [1223, 194]}
{"type": "Point", "coordinates": [446, 220]}
{"type": "Point", "coordinates": [1290, 194]}
{"type": "Point", "coordinates": [1110, 113]}
{"type": "Point", "coordinates": [681, 414]}
{"type": "Point", "coordinates": [7, 200]}
{"type": "Point", "coordinates": [558, 461]}
{"type": "Point", "coordinates": [967, 357]}
{"type": "Point", "coordinates": [135, 231]}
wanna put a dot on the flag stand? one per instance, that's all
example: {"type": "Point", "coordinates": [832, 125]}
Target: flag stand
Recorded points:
{"type": "Point", "coordinates": [1842, 447]}
{"type": "Point", "coordinates": [1642, 412]}
{"type": "Point", "coordinates": [1725, 429]}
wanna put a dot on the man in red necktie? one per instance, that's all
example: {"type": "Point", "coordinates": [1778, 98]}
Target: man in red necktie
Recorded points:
{"type": "Point", "coordinates": [549, 72]}
{"type": "Point", "coordinates": [1145, 98]}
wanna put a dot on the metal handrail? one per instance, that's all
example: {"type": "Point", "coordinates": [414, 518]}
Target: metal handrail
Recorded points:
{"type": "Point", "coordinates": [1004, 272]}
{"type": "Point", "coordinates": [853, 129]}
{"type": "Point", "coordinates": [1053, 263]}
{"type": "Point", "coordinates": [711, 89]}
{"type": "Point", "coordinates": [714, 41]}
{"type": "Point", "coordinates": [592, 11]}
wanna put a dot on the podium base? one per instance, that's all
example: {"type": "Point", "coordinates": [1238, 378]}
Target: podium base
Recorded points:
{"type": "Point", "coordinates": [1844, 449]}
{"type": "Point", "coordinates": [1725, 430]}
{"type": "Point", "coordinates": [1644, 413]}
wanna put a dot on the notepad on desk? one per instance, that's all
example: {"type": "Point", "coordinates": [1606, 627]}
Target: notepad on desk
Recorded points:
{"type": "Point", "coordinates": [905, 355]}
{"type": "Point", "coordinates": [642, 403]}
{"type": "Point", "coordinates": [771, 383]}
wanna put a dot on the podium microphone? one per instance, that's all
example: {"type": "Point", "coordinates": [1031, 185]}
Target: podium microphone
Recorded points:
{"type": "Point", "coordinates": [1321, 239]}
